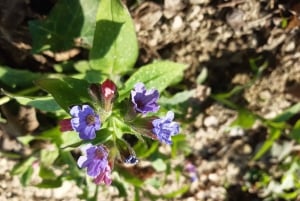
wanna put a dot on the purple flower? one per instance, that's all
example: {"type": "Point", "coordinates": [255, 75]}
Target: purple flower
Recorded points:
{"type": "Point", "coordinates": [164, 128]}
{"type": "Point", "coordinates": [96, 163]}
{"type": "Point", "coordinates": [192, 171]}
{"type": "Point", "coordinates": [143, 100]}
{"type": "Point", "coordinates": [85, 121]}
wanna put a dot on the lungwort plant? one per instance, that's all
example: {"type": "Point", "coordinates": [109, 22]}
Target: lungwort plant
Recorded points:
{"type": "Point", "coordinates": [95, 109]}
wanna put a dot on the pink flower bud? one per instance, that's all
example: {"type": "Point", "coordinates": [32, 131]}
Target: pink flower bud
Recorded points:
{"type": "Point", "coordinates": [65, 125]}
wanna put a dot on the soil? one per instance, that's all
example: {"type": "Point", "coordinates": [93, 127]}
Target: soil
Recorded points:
{"type": "Point", "coordinates": [214, 35]}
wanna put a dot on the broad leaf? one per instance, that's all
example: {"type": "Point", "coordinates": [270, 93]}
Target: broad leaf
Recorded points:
{"type": "Point", "coordinates": [68, 20]}
{"type": "Point", "coordinates": [115, 48]}
{"type": "Point", "coordinates": [47, 173]}
{"type": "Point", "coordinates": [47, 183]}
{"type": "Point", "coordinates": [159, 165]}
{"type": "Point", "coordinates": [45, 103]}
{"type": "Point", "coordinates": [12, 78]}
{"type": "Point", "coordinates": [158, 75]}
{"type": "Point", "coordinates": [66, 91]}
{"type": "Point", "coordinates": [178, 98]}
{"type": "Point", "coordinates": [48, 156]}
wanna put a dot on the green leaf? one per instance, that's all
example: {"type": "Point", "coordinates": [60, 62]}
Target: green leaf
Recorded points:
{"type": "Point", "coordinates": [54, 135]}
{"type": "Point", "coordinates": [137, 194]}
{"type": "Point", "coordinates": [102, 136]}
{"type": "Point", "coordinates": [22, 167]}
{"type": "Point", "coordinates": [178, 98]}
{"type": "Point", "coordinates": [25, 140]}
{"type": "Point", "coordinates": [121, 188]}
{"type": "Point", "coordinates": [69, 19]}
{"type": "Point", "coordinates": [159, 165]}
{"type": "Point", "coordinates": [26, 177]}
{"type": "Point", "coordinates": [202, 76]}
{"type": "Point", "coordinates": [274, 135]}
{"type": "Point", "coordinates": [245, 119]}
{"type": "Point", "coordinates": [130, 178]}
{"type": "Point", "coordinates": [66, 91]}
{"type": "Point", "coordinates": [48, 156]}
{"type": "Point", "coordinates": [47, 173]}
{"type": "Point", "coordinates": [177, 193]}
{"type": "Point", "coordinates": [70, 139]}
{"type": "Point", "coordinates": [288, 113]}
{"type": "Point", "coordinates": [115, 48]}
{"type": "Point", "coordinates": [17, 78]}
{"type": "Point", "coordinates": [158, 75]}
{"type": "Point", "coordinates": [180, 144]}
{"type": "Point", "coordinates": [47, 103]}
{"type": "Point", "coordinates": [50, 183]}
{"type": "Point", "coordinates": [142, 149]}
{"type": "Point", "coordinates": [295, 133]}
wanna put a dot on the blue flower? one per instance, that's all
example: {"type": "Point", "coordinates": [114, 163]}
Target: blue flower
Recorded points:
{"type": "Point", "coordinates": [85, 121]}
{"type": "Point", "coordinates": [164, 128]}
{"type": "Point", "coordinates": [143, 100]}
{"type": "Point", "coordinates": [96, 162]}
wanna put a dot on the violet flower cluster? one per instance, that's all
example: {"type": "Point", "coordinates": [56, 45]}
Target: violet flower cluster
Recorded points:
{"type": "Point", "coordinates": [87, 121]}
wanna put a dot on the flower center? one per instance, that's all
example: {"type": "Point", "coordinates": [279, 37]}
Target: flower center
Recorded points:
{"type": "Point", "coordinates": [90, 119]}
{"type": "Point", "coordinates": [99, 154]}
{"type": "Point", "coordinates": [139, 103]}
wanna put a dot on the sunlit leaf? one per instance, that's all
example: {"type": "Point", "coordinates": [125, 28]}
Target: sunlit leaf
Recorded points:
{"type": "Point", "coordinates": [178, 98]}
{"type": "Point", "coordinates": [158, 75]}
{"type": "Point", "coordinates": [70, 139]}
{"type": "Point", "coordinates": [115, 47]}
{"type": "Point", "coordinates": [245, 119]}
{"type": "Point", "coordinates": [288, 113]}
{"type": "Point", "coordinates": [159, 165]}
{"type": "Point", "coordinates": [48, 156]}
{"type": "Point", "coordinates": [22, 167]}
{"type": "Point", "coordinates": [274, 134]}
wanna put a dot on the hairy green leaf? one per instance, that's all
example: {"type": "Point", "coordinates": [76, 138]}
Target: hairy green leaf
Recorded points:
{"type": "Point", "coordinates": [115, 48]}
{"type": "Point", "coordinates": [158, 75]}
{"type": "Point", "coordinates": [66, 91]}
{"type": "Point", "coordinates": [68, 20]}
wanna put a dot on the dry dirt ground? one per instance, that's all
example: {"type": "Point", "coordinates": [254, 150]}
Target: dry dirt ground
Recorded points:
{"type": "Point", "coordinates": [219, 36]}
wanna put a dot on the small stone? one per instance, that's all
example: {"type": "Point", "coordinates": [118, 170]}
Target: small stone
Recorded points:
{"type": "Point", "coordinates": [235, 18]}
{"type": "Point", "coordinates": [177, 23]}
{"type": "Point", "coordinates": [247, 149]}
{"type": "Point", "coordinates": [211, 121]}
{"type": "Point", "coordinates": [199, 1]}
{"type": "Point", "coordinates": [213, 177]}
{"type": "Point", "coordinates": [290, 47]}
{"type": "Point", "coordinates": [236, 131]}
